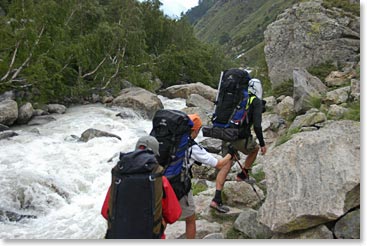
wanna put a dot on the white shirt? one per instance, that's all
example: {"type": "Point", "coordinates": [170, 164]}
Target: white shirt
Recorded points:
{"type": "Point", "coordinates": [199, 154]}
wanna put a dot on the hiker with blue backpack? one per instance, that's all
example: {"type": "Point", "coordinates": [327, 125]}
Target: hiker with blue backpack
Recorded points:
{"type": "Point", "coordinates": [247, 143]}
{"type": "Point", "coordinates": [238, 109]}
{"type": "Point", "coordinates": [175, 131]}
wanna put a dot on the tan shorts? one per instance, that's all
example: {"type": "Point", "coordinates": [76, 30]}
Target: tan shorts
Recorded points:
{"type": "Point", "coordinates": [246, 146]}
{"type": "Point", "coordinates": [187, 205]}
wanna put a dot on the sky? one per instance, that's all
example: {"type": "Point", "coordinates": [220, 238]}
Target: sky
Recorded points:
{"type": "Point", "coordinates": [173, 8]}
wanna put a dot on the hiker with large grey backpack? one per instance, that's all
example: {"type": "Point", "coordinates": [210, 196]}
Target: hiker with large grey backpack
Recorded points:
{"type": "Point", "coordinates": [238, 107]}
{"type": "Point", "coordinates": [230, 105]}
{"type": "Point", "coordinates": [140, 200]}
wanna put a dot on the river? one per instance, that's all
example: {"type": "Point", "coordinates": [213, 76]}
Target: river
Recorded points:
{"type": "Point", "coordinates": [58, 184]}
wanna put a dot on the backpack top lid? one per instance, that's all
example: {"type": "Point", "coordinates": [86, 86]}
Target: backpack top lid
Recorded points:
{"type": "Point", "coordinates": [148, 142]}
{"type": "Point", "coordinates": [255, 87]}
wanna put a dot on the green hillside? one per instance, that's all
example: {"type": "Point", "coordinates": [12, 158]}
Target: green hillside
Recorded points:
{"type": "Point", "coordinates": [237, 25]}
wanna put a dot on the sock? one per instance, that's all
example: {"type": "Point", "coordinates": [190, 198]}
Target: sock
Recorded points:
{"type": "Point", "coordinates": [218, 196]}
{"type": "Point", "coordinates": [242, 175]}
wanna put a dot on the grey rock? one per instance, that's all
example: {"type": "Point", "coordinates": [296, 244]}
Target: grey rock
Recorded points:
{"type": "Point", "coordinates": [184, 91]}
{"type": "Point", "coordinates": [56, 108]}
{"type": "Point", "coordinates": [7, 134]}
{"type": "Point", "coordinates": [318, 232]}
{"type": "Point", "coordinates": [40, 120]}
{"type": "Point", "coordinates": [349, 226]}
{"type": "Point", "coordinates": [337, 96]}
{"type": "Point", "coordinates": [8, 112]}
{"type": "Point", "coordinates": [313, 178]}
{"type": "Point", "coordinates": [311, 118]}
{"type": "Point", "coordinates": [94, 133]}
{"type": "Point", "coordinates": [247, 223]}
{"type": "Point", "coordinates": [305, 87]}
{"type": "Point", "coordinates": [141, 100]}
{"type": "Point", "coordinates": [25, 113]}
{"type": "Point", "coordinates": [195, 100]}
{"type": "Point", "coordinates": [307, 35]}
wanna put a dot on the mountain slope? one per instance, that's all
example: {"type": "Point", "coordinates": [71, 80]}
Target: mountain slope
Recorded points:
{"type": "Point", "coordinates": [237, 25]}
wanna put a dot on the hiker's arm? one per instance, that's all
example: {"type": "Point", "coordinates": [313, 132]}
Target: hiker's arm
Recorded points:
{"type": "Point", "coordinates": [171, 209]}
{"type": "Point", "coordinates": [257, 118]}
{"type": "Point", "coordinates": [202, 156]}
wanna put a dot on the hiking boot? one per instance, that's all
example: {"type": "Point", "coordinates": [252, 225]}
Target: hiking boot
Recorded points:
{"type": "Point", "coordinates": [242, 177]}
{"type": "Point", "coordinates": [219, 207]}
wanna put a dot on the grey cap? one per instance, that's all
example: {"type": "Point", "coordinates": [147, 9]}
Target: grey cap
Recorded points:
{"type": "Point", "coordinates": [149, 142]}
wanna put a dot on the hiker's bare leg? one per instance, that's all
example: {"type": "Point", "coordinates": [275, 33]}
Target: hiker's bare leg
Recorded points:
{"type": "Point", "coordinates": [222, 175]}
{"type": "Point", "coordinates": [250, 159]}
{"type": "Point", "coordinates": [191, 227]}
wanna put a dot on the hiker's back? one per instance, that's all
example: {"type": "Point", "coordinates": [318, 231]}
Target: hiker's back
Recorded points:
{"type": "Point", "coordinates": [232, 90]}
{"type": "Point", "coordinates": [135, 204]}
{"type": "Point", "coordinates": [230, 105]}
{"type": "Point", "coordinates": [172, 129]}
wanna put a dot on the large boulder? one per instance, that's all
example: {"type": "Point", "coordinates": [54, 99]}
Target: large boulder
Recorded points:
{"type": "Point", "coordinates": [25, 113]}
{"type": "Point", "coordinates": [313, 178]}
{"type": "Point", "coordinates": [141, 100]}
{"type": "Point", "coordinates": [308, 35]}
{"type": "Point", "coordinates": [195, 100]}
{"type": "Point", "coordinates": [184, 91]}
{"type": "Point", "coordinates": [8, 112]}
{"type": "Point", "coordinates": [305, 87]}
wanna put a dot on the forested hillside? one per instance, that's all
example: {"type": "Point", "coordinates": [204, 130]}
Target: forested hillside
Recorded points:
{"type": "Point", "coordinates": [61, 51]}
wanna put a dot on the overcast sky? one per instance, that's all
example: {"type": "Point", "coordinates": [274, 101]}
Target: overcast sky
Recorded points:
{"type": "Point", "coordinates": [174, 8]}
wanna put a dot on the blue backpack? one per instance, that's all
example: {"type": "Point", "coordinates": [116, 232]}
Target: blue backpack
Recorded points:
{"type": "Point", "coordinates": [230, 105]}
{"type": "Point", "coordinates": [172, 129]}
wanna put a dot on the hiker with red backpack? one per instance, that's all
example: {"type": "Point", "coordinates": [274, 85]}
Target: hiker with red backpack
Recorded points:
{"type": "Point", "coordinates": [140, 201]}
{"type": "Point", "coordinates": [198, 154]}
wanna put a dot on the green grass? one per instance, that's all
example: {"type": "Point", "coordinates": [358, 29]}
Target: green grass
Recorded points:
{"type": "Point", "coordinates": [197, 188]}
{"type": "Point", "coordinates": [284, 138]}
{"type": "Point", "coordinates": [314, 102]}
{"type": "Point", "coordinates": [323, 70]}
{"type": "Point", "coordinates": [235, 234]}
{"type": "Point", "coordinates": [343, 4]}
{"type": "Point", "coordinates": [285, 88]}
{"type": "Point", "coordinates": [354, 112]}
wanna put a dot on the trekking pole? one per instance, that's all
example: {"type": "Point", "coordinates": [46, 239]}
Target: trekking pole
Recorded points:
{"type": "Point", "coordinates": [252, 185]}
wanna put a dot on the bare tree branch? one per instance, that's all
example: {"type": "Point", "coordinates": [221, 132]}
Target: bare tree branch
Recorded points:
{"type": "Point", "coordinates": [116, 71]}
{"type": "Point", "coordinates": [95, 70]}
{"type": "Point", "coordinates": [12, 62]}
{"type": "Point", "coordinates": [30, 54]}
{"type": "Point", "coordinates": [71, 15]}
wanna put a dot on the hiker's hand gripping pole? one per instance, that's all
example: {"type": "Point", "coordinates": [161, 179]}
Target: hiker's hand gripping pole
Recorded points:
{"type": "Point", "coordinates": [252, 185]}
